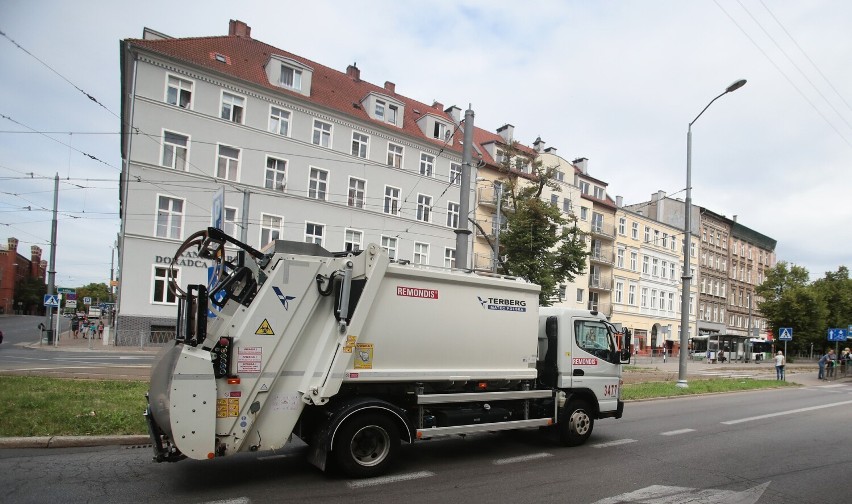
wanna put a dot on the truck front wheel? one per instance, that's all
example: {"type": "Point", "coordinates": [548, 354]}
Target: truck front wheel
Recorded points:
{"type": "Point", "coordinates": [576, 423]}
{"type": "Point", "coordinates": [366, 445]}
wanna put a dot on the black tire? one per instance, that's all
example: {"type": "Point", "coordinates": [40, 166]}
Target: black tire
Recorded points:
{"type": "Point", "coordinates": [366, 445]}
{"type": "Point", "coordinates": [576, 421]}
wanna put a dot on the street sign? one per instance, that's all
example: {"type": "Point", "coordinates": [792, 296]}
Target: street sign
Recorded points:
{"type": "Point", "coordinates": [837, 334]}
{"type": "Point", "coordinates": [218, 210]}
{"type": "Point", "coordinates": [71, 295]}
{"type": "Point", "coordinates": [70, 303]}
{"type": "Point", "coordinates": [66, 290]}
{"type": "Point", "coordinates": [785, 334]}
{"type": "Point", "coordinates": [87, 300]}
{"type": "Point", "coordinates": [51, 300]}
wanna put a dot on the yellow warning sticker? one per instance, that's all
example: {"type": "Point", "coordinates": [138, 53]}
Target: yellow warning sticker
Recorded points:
{"type": "Point", "coordinates": [265, 329]}
{"type": "Point", "coordinates": [350, 339]}
{"type": "Point", "coordinates": [228, 407]}
{"type": "Point", "coordinates": [364, 356]}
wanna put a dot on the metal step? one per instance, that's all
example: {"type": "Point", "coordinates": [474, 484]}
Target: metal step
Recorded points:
{"type": "Point", "coordinates": [485, 427]}
{"type": "Point", "coordinates": [483, 396]}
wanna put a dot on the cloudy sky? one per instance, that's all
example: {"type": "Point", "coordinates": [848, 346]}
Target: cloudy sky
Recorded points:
{"type": "Point", "coordinates": [616, 82]}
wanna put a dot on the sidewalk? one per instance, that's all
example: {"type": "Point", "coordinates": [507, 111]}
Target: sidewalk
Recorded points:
{"type": "Point", "coordinates": [67, 342]}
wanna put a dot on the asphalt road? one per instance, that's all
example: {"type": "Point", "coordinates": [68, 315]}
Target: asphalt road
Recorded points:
{"type": "Point", "coordinates": [774, 446]}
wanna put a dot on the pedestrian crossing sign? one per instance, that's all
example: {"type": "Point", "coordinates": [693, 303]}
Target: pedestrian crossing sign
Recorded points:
{"type": "Point", "coordinates": [786, 334]}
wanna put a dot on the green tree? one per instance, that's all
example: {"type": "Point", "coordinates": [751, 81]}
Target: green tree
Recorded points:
{"type": "Point", "coordinates": [540, 244]}
{"type": "Point", "coordinates": [96, 291]}
{"type": "Point", "coordinates": [836, 293]}
{"type": "Point", "coordinates": [30, 292]}
{"type": "Point", "coordinates": [790, 301]}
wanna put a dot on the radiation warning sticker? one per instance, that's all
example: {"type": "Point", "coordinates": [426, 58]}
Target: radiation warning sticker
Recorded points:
{"type": "Point", "coordinates": [265, 329]}
{"type": "Point", "coordinates": [364, 356]}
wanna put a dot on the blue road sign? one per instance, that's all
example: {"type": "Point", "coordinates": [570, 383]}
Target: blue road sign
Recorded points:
{"type": "Point", "coordinates": [785, 334]}
{"type": "Point", "coordinates": [837, 334]}
{"type": "Point", "coordinates": [51, 300]}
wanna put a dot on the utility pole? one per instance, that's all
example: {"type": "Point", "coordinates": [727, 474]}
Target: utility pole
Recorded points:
{"type": "Point", "coordinates": [463, 231]}
{"type": "Point", "coordinates": [244, 220]}
{"type": "Point", "coordinates": [111, 272]}
{"type": "Point", "coordinates": [51, 270]}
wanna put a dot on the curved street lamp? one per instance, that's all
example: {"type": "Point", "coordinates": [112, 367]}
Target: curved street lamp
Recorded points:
{"type": "Point", "coordinates": [687, 243]}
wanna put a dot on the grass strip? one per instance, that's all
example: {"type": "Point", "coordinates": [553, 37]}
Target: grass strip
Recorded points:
{"type": "Point", "coordinates": [41, 406]}
{"type": "Point", "coordinates": [655, 390]}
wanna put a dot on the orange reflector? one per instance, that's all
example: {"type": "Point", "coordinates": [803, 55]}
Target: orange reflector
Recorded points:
{"type": "Point", "coordinates": [482, 385]}
{"type": "Point", "coordinates": [419, 435]}
{"type": "Point", "coordinates": [210, 455]}
{"type": "Point", "coordinates": [549, 421]}
{"type": "Point", "coordinates": [234, 381]}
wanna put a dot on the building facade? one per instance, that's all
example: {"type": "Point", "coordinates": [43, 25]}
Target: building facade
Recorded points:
{"type": "Point", "coordinates": [303, 152]}
{"type": "Point", "coordinates": [15, 269]}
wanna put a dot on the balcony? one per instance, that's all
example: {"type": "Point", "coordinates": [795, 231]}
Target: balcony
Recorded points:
{"type": "Point", "coordinates": [487, 197]}
{"type": "Point", "coordinates": [602, 256]}
{"type": "Point", "coordinates": [605, 231]}
{"type": "Point", "coordinates": [598, 282]}
{"type": "Point", "coordinates": [602, 307]}
{"type": "Point", "coordinates": [482, 262]}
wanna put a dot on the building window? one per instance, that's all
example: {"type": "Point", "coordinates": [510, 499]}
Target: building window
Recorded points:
{"type": "Point", "coordinates": [421, 253]}
{"type": "Point", "coordinates": [622, 225]}
{"type": "Point", "coordinates": [228, 163]}
{"type": "Point", "coordinates": [672, 271]}
{"type": "Point", "coordinates": [665, 240]}
{"type": "Point", "coordinates": [270, 228]}
{"type": "Point", "coordinates": [380, 110]}
{"type": "Point", "coordinates": [671, 301]}
{"type": "Point", "coordinates": [633, 259]}
{"type": "Point", "coordinates": [645, 264]}
{"type": "Point", "coordinates": [584, 213]}
{"type": "Point", "coordinates": [653, 298]}
{"type": "Point", "coordinates": [631, 294]}
{"type": "Point", "coordinates": [395, 155]}
{"type": "Point", "coordinates": [655, 269]}
{"type": "Point", "coordinates": [279, 121]}
{"type": "Point", "coordinates": [427, 165]}
{"type": "Point", "coordinates": [322, 133]}
{"type": "Point", "coordinates": [314, 233]}
{"type": "Point", "coordinates": [599, 193]}
{"type": "Point", "coordinates": [424, 208]}
{"type": "Point", "coordinates": [554, 200]}
{"type": "Point", "coordinates": [230, 222]}
{"type": "Point", "coordinates": [389, 246]}
{"type": "Point", "coordinates": [455, 173]}
{"type": "Point", "coordinates": [353, 240]}
{"type": "Point", "coordinates": [391, 204]}
{"type": "Point", "coordinates": [619, 292]}
{"type": "Point", "coordinates": [647, 234]}
{"type": "Point", "coordinates": [318, 184]}
{"type": "Point", "coordinates": [634, 231]}
{"type": "Point", "coordinates": [276, 174]}
{"type": "Point", "coordinates": [232, 107]}
{"type": "Point", "coordinates": [291, 77]}
{"type": "Point", "coordinates": [175, 150]}
{"type": "Point", "coordinates": [579, 295]}
{"type": "Point", "coordinates": [584, 187]}
{"type": "Point", "coordinates": [619, 258]}
{"type": "Point", "coordinates": [179, 92]}
{"type": "Point", "coordinates": [440, 131]}
{"type": "Point", "coordinates": [357, 192]}
{"type": "Point", "coordinates": [662, 300]}
{"type": "Point", "coordinates": [162, 294]}
{"type": "Point", "coordinates": [169, 217]}
{"type": "Point", "coordinates": [393, 112]}
{"type": "Point", "coordinates": [566, 205]}
{"type": "Point", "coordinates": [359, 144]}
{"type": "Point", "coordinates": [644, 298]}
{"type": "Point", "coordinates": [449, 257]}
{"type": "Point", "coordinates": [452, 215]}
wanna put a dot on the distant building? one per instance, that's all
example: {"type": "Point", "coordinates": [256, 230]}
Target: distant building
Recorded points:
{"type": "Point", "coordinates": [15, 269]}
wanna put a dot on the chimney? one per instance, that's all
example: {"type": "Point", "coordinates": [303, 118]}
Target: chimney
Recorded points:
{"type": "Point", "coordinates": [455, 113]}
{"type": "Point", "coordinates": [13, 244]}
{"type": "Point", "coordinates": [619, 201]}
{"type": "Point", "coordinates": [660, 195]}
{"type": "Point", "coordinates": [390, 87]}
{"type": "Point", "coordinates": [583, 164]}
{"type": "Point", "coordinates": [735, 218]}
{"type": "Point", "coordinates": [437, 105]}
{"type": "Point", "coordinates": [550, 149]}
{"type": "Point", "coordinates": [237, 28]}
{"type": "Point", "coordinates": [507, 131]}
{"type": "Point", "coordinates": [35, 254]}
{"type": "Point", "coordinates": [538, 145]}
{"type": "Point", "coordinates": [353, 72]}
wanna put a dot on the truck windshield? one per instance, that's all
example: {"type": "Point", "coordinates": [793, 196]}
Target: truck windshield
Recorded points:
{"type": "Point", "coordinates": [593, 337]}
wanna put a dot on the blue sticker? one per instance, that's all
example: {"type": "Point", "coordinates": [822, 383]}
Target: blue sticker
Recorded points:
{"type": "Point", "coordinates": [284, 299]}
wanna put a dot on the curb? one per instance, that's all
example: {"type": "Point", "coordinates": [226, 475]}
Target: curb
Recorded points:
{"type": "Point", "coordinates": [72, 441]}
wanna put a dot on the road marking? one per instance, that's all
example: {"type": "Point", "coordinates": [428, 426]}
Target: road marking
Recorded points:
{"type": "Point", "coordinates": [676, 432]}
{"type": "Point", "coordinates": [789, 412]}
{"type": "Point", "coordinates": [617, 442]}
{"type": "Point", "coordinates": [830, 386]}
{"type": "Point", "coordinates": [238, 500]}
{"type": "Point", "coordinates": [522, 458]}
{"type": "Point", "coordinates": [384, 480]}
{"type": "Point", "coordinates": [660, 494]}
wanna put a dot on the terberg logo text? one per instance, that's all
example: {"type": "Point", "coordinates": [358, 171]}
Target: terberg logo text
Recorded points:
{"type": "Point", "coordinates": [516, 305]}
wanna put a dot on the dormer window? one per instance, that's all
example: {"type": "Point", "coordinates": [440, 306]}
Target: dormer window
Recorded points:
{"type": "Point", "coordinates": [383, 108]}
{"type": "Point", "coordinates": [291, 77]}
{"type": "Point", "coordinates": [386, 112]}
{"type": "Point", "coordinates": [440, 132]}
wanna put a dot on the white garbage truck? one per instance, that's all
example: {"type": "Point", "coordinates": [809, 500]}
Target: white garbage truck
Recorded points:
{"type": "Point", "coordinates": [355, 354]}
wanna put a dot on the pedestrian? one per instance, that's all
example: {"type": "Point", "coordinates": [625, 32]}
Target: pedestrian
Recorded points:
{"type": "Point", "coordinates": [75, 326]}
{"type": "Point", "coordinates": [779, 365]}
{"type": "Point", "coordinates": [92, 329]}
{"type": "Point", "coordinates": [845, 358]}
{"type": "Point", "coordinates": [823, 362]}
{"type": "Point", "coordinates": [832, 362]}
{"type": "Point", "coordinates": [101, 329]}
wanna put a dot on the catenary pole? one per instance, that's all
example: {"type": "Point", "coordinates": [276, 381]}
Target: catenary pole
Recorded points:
{"type": "Point", "coordinates": [463, 230]}
{"type": "Point", "coordinates": [51, 270]}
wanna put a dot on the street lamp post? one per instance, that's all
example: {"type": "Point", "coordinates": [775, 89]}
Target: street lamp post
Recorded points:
{"type": "Point", "coordinates": [687, 243]}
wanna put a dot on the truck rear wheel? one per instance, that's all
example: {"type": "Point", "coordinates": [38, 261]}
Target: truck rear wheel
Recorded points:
{"type": "Point", "coordinates": [366, 445]}
{"type": "Point", "coordinates": [576, 423]}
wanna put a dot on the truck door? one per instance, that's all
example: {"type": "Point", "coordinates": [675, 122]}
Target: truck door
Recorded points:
{"type": "Point", "coordinates": [595, 361]}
